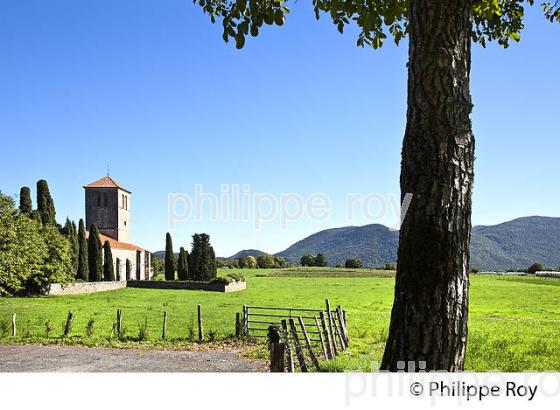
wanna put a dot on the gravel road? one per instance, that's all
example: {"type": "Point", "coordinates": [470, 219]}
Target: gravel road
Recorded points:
{"type": "Point", "coordinates": [20, 358]}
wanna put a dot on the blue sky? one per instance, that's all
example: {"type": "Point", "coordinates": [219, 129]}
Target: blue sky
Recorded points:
{"type": "Point", "coordinates": [151, 89]}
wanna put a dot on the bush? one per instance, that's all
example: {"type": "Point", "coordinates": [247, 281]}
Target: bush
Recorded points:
{"type": "Point", "coordinates": [307, 260]}
{"type": "Point", "coordinates": [535, 267]}
{"type": "Point", "coordinates": [250, 262]}
{"type": "Point", "coordinates": [90, 327]}
{"type": "Point", "coordinates": [354, 263]}
{"type": "Point", "coordinates": [265, 261]}
{"type": "Point", "coordinates": [390, 266]}
{"type": "Point", "coordinates": [236, 276]}
{"type": "Point", "coordinates": [221, 281]}
{"type": "Point", "coordinates": [143, 331]}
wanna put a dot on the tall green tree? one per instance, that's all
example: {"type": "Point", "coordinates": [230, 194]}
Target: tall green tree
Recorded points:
{"type": "Point", "coordinates": [32, 256]}
{"type": "Point", "coordinates": [72, 236]}
{"type": "Point", "coordinates": [202, 260]}
{"type": "Point", "coordinates": [169, 258]}
{"type": "Point", "coordinates": [95, 256]}
{"type": "Point", "coordinates": [183, 265]}
{"type": "Point", "coordinates": [265, 261]}
{"type": "Point", "coordinates": [307, 260]}
{"type": "Point", "coordinates": [321, 260]}
{"type": "Point", "coordinates": [83, 264]}
{"type": "Point", "coordinates": [430, 311]}
{"type": "Point", "coordinates": [108, 267]}
{"type": "Point", "coordinates": [45, 203]}
{"type": "Point", "coordinates": [250, 262]}
{"type": "Point", "coordinates": [25, 202]}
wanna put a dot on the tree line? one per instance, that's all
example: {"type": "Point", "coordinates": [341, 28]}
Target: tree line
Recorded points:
{"type": "Point", "coordinates": [36, 251]}
{"type": "Point", "coordinates": [198, 265]}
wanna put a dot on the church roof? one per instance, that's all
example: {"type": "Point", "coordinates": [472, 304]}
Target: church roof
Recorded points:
{"type": "Point", "coordinates": [106, 182]}
{"type": "Point", "coordinates": [117, 244]}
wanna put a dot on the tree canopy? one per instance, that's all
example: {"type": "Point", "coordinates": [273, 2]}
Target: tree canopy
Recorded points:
{"type": "Point", "coordinates": [493, 20]}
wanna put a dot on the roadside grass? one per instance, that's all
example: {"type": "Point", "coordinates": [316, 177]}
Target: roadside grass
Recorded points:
{"type": "Point", "coordinates": [514, 321]}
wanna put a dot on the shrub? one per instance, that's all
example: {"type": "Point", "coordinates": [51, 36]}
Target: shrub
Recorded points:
{"type": "Point", "coordinates": [321, 261]}
{"type": "Point", "coordinates": [221, 281]}
{"type": "Point", "coordinates": [4, 327]}
{"type": "Point", "coordinates": [48, 328]}
{"type": "Point", "coordinates": [265, 261]}
{"type": "Point", "coordinates": [143, 333]}
{"type": "Point", "coordinates": [250, 262]}
{"type": "Point", "coordinates": [390, 266]}
{"type": "Point", "coordinates": [354, 263]}
{"type": "Point", "coordinates": [90, 327]}
{"type": "Point", "coordinates": [212, 335]}
{"type": "Point", "coordinates": [237, 276]}
{"type": "Point", "coordinates": [307, 260]}
{"type": "Point", "coordinates": [535, 267]}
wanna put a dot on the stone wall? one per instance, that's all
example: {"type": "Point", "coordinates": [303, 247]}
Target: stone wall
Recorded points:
{"type": "Point", "coordinates": [84, 287]}
{"type": "Point", "coordinates": [188, 285]}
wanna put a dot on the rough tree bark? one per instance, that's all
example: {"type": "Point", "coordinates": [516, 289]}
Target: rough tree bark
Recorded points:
{"type": "Point", "coordinates": [429, 317]}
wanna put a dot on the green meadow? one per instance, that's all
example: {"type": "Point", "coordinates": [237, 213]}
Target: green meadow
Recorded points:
{"type": "Point", "coordinates": [514, 321]}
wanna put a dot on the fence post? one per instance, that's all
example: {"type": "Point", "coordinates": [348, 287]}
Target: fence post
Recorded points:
{"type": "Point", "coordinates": [200, 329]}
{"type": "Point", "coordinates": [277, 353]}
{"type": "Point", "coordinates": [339, 333]}
{"type": "Point", "coordinates": [14, 327]}
{"type": "Point", "coordinates": [288, 349]}
{"type": "Point", "coordinates": [119, 323]}
{"type": "Point", "coordinates": [277, 350]}
{"type": "Point", "coordinates": [342, 321]}
{"type": "Point", "coordinates": [68, 326]}
{"type": "Point", "coordinates": [308, 344]}
{"type": "Point", "coordinates": [164, 332]}
{"type": "Point", "coordinates": [237, 325]}
{"type": "Point", "coordinates": [321, 338]}
{"type": "Point", "coordinates": [330, 354]}
{"type": "Point", "coordinates": [245, 321]}
{"type": "Point", "coordinates": [331, 329]}
{"type": "Point", "coordinates": [299, 351]}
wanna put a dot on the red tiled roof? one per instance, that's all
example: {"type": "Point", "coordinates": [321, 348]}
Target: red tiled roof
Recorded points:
{"type": "Point", "coordinates": [106, 182]}
{"type": "Point", "coordinates": [116, 244]}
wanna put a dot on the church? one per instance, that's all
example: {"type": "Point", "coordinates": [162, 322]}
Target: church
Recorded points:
{"type": "Point", "coordinates": [108, 205]}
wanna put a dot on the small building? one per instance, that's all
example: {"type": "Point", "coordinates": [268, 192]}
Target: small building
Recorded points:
{"type": "Point", "coordinates": [108, 205]}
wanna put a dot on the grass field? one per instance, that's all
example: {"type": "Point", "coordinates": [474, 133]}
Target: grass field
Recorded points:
{"type": "Point", "coordinates": [514, 321]}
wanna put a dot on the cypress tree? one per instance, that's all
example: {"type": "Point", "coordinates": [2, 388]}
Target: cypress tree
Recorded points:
{"type": "Point", "coordinates": [45, 203]}
{"type": "Point", "coordinates": [211, 264]}
{"type": "Point", "coordinates": [169, 258]}
{"type": "Point", "coordinates": [72, 235]}
{"type": "Point", "coordinates": [95, 258]}
{"type": "Point", "coordinates": [183, 265]}
{"type": "Point", "coordinates": [202, 261]}
{"type": "Point", "coordinates": [83, 267]}
{"type": "Point", "coordinates": [25, 203]}
{"type": "Point", "coordinates": [108, 268]}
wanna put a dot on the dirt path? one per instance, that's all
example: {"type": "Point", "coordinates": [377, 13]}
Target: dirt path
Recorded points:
{"type": "Point", "coordinates": [19, 358]}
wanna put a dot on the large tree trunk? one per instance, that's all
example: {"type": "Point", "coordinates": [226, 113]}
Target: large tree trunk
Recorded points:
{"type": "Point", "coordinates": [429, 318]}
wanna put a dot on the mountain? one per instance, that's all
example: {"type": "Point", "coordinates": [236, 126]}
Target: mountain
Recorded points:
{"type": "Point", "coordinates": [374, 244]}
{"type": "Point", "coordinates": [516, 244]}
{"type": "Point", "coordinates": [511, 245]}
{"type": "Point", "coordinates": [243, 254]}
{"type": "Point", "coordinates": [161, 254]}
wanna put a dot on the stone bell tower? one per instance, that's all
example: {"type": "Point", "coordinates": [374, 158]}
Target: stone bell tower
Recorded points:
{"type": "Point", "coordinates": [108, 206]}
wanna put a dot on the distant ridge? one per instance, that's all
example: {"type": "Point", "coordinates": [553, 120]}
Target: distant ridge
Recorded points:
{"type": "Point", "coordinates": [244, 254]}
{"type": "Point", "coordinates": [514, 244]}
